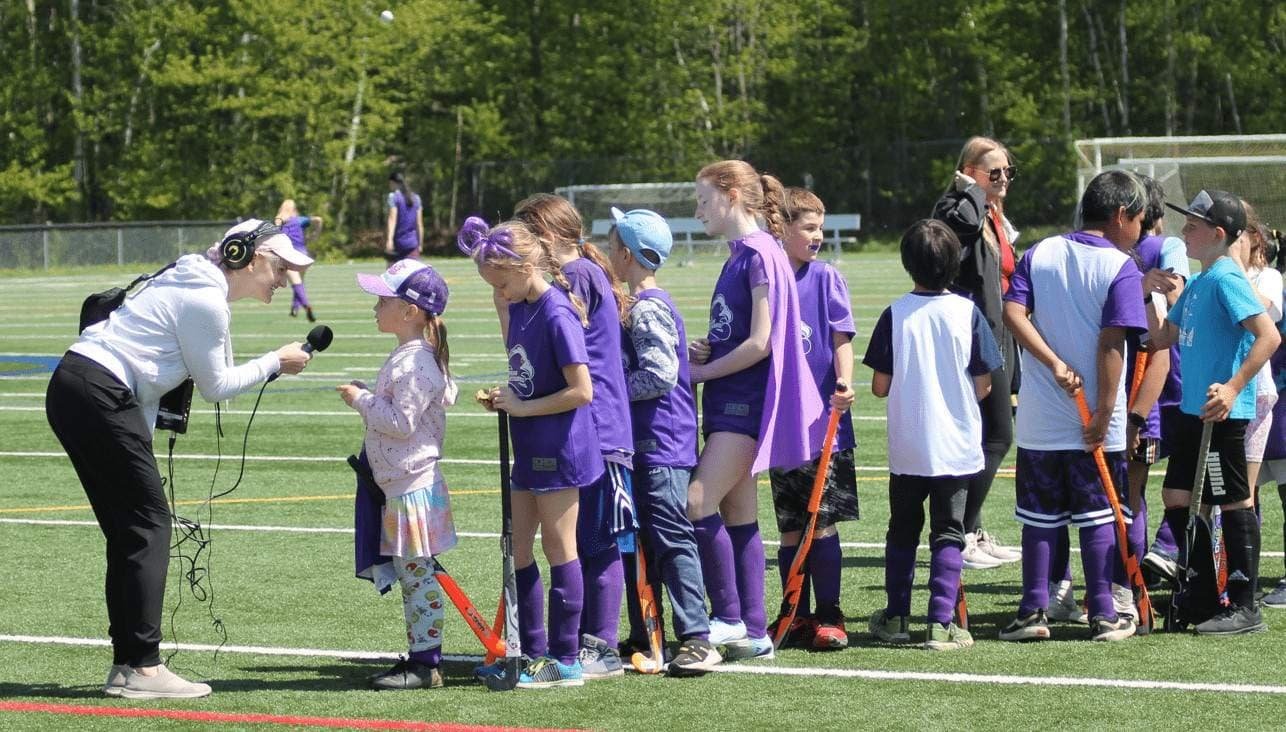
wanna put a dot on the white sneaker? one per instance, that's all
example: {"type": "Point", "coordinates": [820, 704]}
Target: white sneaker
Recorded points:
{"type": "Point", "coordinates": [973, 557]}
{"type": "Point", "coordinates": [115, 679]}
{"type": "Point", "coordinates": [755, 648]}
{"type": "Point", "coordinates": [732, 635]}
{"type": "Point", "coordinates": [1063, 606]}
{"type": "Point", "coordinates": [1123, 601]}
{"type": "Point", "coordinates": [988, 544]}
{"type": "Point", "coordinates": [165, 684]}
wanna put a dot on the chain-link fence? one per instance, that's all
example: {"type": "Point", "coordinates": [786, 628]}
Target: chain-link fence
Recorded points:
{"type": "Point", "coordinates": [136, 242]}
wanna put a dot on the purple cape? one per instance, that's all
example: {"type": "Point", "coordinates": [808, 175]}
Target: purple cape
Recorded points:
{"type": "Point", "coordinates": [790, 428]}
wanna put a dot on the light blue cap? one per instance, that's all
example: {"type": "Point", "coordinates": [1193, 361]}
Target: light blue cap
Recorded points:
{"type": "Point", "coordinates": [642, 231]}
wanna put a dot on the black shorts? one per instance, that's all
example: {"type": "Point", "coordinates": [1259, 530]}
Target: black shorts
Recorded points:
{"type": "Point", "coordinates": [791, 490]}
{"type": "Point", "coordinates": [1225, 473]}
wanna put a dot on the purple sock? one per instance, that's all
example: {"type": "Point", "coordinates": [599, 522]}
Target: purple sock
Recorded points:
{"type": "Point", "coordinates": [1166, 533]}
{"type": "Point", "coordinates": [431, 657]}
{"type": "Point", "coordinates": [301, 295]}
{"type": "Point", "coordinates": [604, 575]}
{"type": "Point", "coordinates": [566, 599]}
{"type": "Point", "coordinates": [531, 611]}
{"type": "Point", "coordinates": [899, 574]}
{"type": "Point", "coordinates": [1099, 557]}
{"type": "Point", "coordinates": [824, 561]}
{"type": "Point", "coordinates": [1061, 556]}
{"type": "Point", "coordinates": [748, 548]}
{"type": "Point", "coordinates": [1138, 531]}
{"type": "Point", "coordinates": [1039, 544]}
{"type": "Point", "coordinates": [785, 558]}
{"type": "Point", "coordinates": [944, 582]}
{"type": "Point", "coordinates": [717, 568]}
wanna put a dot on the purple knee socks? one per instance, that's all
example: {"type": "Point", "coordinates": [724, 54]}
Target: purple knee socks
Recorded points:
{"type": "Point", "coordinates": [824, 563]}
{"type": "Point", "coordinates": [785, 558]}
{"type": "Point", "coordinates": [944, 582]}
{"type": "Point", "coordinates": [566, 599]}
{"type": "Point", "coordinates": [604, 575]}
{"type": "Point", "coordinates": [899, 575]}
{"type": "Point", "coordinates": [748, 548]}
{"type": "Point", "coordinates": [301, 296]}
{"type": "Point", "coordinates": [717, 568]}
{"type": "Point", "coordinates": [1099, 556]}
{"type": "Point", "coordinates": [1039, 544]}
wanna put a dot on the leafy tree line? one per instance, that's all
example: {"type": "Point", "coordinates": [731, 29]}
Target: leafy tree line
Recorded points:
{"type": "Point", "coordinates": [168, 109]}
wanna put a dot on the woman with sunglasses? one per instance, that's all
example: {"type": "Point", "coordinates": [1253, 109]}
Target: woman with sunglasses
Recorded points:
{"type": "Point", "coordinates": [974, 207]}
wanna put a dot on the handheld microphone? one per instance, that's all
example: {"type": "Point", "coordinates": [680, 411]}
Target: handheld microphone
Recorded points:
{"type": "Point", "coordinates": [318, 340]}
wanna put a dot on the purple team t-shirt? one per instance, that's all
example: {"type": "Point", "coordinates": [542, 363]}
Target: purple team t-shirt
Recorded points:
{"type": "Point", "coordinates": [1147, 256]}
{"type": "Point", "coordinates": [293, 228]}
{"type": "Point", "coordinates": [405, 235]}
{"type": "Point", "coordinates": [665, 428]}
{"type": "Point", "coordinates": [553, 450]}
{"type": "Point", "coordinates": [611, 405]}
{"type": "Point", "coordinates": [735, 403]}
{"type": "Point", "coordinates": [825, 309]}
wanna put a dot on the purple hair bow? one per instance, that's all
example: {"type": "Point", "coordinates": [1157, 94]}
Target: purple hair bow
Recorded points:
{"type": "Point", "coordinates": [474, 241]}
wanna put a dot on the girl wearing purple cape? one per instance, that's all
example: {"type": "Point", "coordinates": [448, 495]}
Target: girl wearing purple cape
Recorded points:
{"type": "Point", "coordinates": [606, 507]}
{"type": "Point", "coordinates": [759, 402]}
{"type": "Point", "coordinates": [555, 446]}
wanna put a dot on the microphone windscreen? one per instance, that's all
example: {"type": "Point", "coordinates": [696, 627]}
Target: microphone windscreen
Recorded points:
{"type": "Point", "coordinates": [319, 338]}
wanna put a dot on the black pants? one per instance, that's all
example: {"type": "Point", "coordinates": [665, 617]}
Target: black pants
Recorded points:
{"type": "Point", "coordinates": [997, 434]}
{"type": "Point", "coordinates": [100, 424]}
{"type": "Point", "coordinates": [946, 496]}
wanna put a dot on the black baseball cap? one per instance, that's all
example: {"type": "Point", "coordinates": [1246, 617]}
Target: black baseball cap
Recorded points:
{"type": "Point", "coordinates": [1217, 208]}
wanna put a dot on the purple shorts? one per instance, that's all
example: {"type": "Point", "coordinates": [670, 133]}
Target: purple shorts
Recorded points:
{"type": "Point", "coordinates": [1060, 487]}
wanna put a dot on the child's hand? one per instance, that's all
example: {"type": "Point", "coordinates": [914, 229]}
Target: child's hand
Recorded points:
{"type": "Point", "coordinates": [699, 350]}
{"type": "Point", "coordinates": [1162, 281]}
{"type": "Point", "coordinates": [503, 398]}
{"type": "Point", "coordinates": [1095, 433]}
{"type": "Point", "coordinates": [350, 392]}
{"type": "Point", "coordinates": [961, 181]}
{"type": "Point", "coordinates": [841, 401]}
{"type": "Point", "coordinates": [360, 384]}
{"type": "Point", "coordinates": [1218, 403]}
{"type": "Point", "coordinates": [1067, 379]}
{"type": "Point", "coordinates": [484, 397]}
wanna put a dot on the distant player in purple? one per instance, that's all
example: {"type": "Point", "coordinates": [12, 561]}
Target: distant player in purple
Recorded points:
{"type": "Point", "coordinates": [933, 353]}
{"type": "Point", "coordinates": [606, 507]}
{"type": "Point", "coordinates": [555, 446]}
{"type": "Point", "coordinates": [664, 412]}
{"type": "Point", "coordinates": [759, 401]}
{"type": "Point", "coordinates": [405, 230]}
{"type": "Point", "coordinates": [828, 346]}
{"type": "Point", "coordinates": [292, 225]}
{"type": "Point", "coordinates": [1070, 304]}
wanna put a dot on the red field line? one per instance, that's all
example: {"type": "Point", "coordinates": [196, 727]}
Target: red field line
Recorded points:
{"type": "Point", "coordinates": [85, 710]}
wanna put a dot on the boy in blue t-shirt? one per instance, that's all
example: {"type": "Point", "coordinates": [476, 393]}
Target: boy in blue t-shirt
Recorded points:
{"type": "Point", "coordinates": [933, 353]}
{"type": "Point", "coordinates": [1224, 338]}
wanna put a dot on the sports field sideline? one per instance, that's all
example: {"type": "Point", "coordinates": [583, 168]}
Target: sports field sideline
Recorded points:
{"type": "Point", "coordinates": [302, 634]}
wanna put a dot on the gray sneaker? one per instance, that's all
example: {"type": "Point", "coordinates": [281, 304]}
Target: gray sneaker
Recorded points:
{"type": "Point", "coordinates": [1276, 598]}
{"type": "Point", "coordinates": [890, 628]}
{"type": "Point", "coordinates": [1102, 629]}
{"type": "Point", "coordinates": [949, 637]}
{"type": "Point", "coordinates": [599, 660]}
{"type": "Point", "coordinates": [1033, 627]}
{"type": "Point", "coordinates": [1233, 621]}
{"type": "Point", "coordinates": [408, 674]}
{"type": "Point", "coordinates": [1163, 564]}
{"type": "Point", "coordinates": [115, 679]}
{"type": "Point", "coordinates": [695, 657]}
{"type": "Point", "coordinates": [165, 684]}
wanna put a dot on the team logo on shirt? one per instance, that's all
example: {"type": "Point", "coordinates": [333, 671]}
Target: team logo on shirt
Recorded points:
{"type": "Point", "coordinates": [806, 332]}
{"type": "Point", "coordinates": [720, 319]}
{"type": "Point", "coordinates": [521, 372]}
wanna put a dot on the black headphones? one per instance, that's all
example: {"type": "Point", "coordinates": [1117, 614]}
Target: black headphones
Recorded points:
{"type": "Point", "coordinates": [237, 250]}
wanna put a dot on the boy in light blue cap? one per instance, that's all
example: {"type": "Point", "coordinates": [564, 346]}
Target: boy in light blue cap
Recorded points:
{"type": "Point", "coordinates": [663, 410]}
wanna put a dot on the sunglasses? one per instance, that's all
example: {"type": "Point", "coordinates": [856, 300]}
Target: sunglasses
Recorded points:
{"type": "Point", "coordinates": [994, 174]}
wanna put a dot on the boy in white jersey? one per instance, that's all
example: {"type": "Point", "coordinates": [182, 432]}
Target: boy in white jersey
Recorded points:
{"type": "Point", "coordinates": [1070, 303]}
{"type": "Point", "coordinates": [933, 353]}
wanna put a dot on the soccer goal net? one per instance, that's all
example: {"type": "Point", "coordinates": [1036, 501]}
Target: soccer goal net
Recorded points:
{"type": "Point", "coordinates": [1250, 166]}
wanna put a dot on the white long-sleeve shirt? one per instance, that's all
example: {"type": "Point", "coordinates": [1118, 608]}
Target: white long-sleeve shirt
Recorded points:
{"type": "Point", "coordinates": [406, 419]}
{"type": "Point", "coordinates": [175, 327]}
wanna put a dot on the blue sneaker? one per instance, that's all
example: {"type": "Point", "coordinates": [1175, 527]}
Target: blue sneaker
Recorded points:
{"type": "Point", "coordinates": [497, 668]}
{"type": "Point", "coordinates": [722, 633]}
{"type": "Point", "coordinates": [547, 673]}
{"type": "Point", "coordinates": [754, 648]}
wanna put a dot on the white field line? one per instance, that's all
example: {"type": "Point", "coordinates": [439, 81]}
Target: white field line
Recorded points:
{"type": "Point", "coordinates": [755, 670]}
{"type": "Point", "coordinates": [865, 545]}
{"type": "Point", "coordinates": [308, 413]}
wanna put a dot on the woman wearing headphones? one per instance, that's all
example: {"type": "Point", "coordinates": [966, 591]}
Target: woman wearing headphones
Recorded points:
{"type": "Point", "coordinates": [102, 404]}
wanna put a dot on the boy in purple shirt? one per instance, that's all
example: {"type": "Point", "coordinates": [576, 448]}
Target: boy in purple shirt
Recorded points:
{"type": "Point", "coordinates": [555, 448]}
{"type": "Point", "coordinates": [606, 523]}
{"type": "Point", "coordinates": [1070, 304]}
{"type": "Point", "coordinates": [663, 408]}
{"type": "Point", "coordinates": [827, 322]}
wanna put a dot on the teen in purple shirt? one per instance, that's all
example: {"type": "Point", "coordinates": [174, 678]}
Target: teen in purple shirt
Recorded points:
{"type": "Point", "coordinates": [405, 220]}
{"type": "Point", "coordinates": [759, 404]}
{"type": "Point", "coordinates": [555, 453]}
{"type": "Point", "coordinates": [606, 523]}
{"type": "Point", "coordinates": [293, 225]}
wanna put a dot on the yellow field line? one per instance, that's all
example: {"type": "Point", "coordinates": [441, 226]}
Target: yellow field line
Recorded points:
{"type": "Point", "coordinates": [225, 501]}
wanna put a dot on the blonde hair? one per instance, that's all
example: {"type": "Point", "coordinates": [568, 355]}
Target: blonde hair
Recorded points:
{"type": "Point", "coordinates": [761, 194]}
{"type": "Point", "coordinates": [977, 148]}
{"type": "Point", "coordinates": [800, 201]}
{"type": "Point", "coordinates": [558, 226]}
{"type": "Point", "coordinates": [522, 242]}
